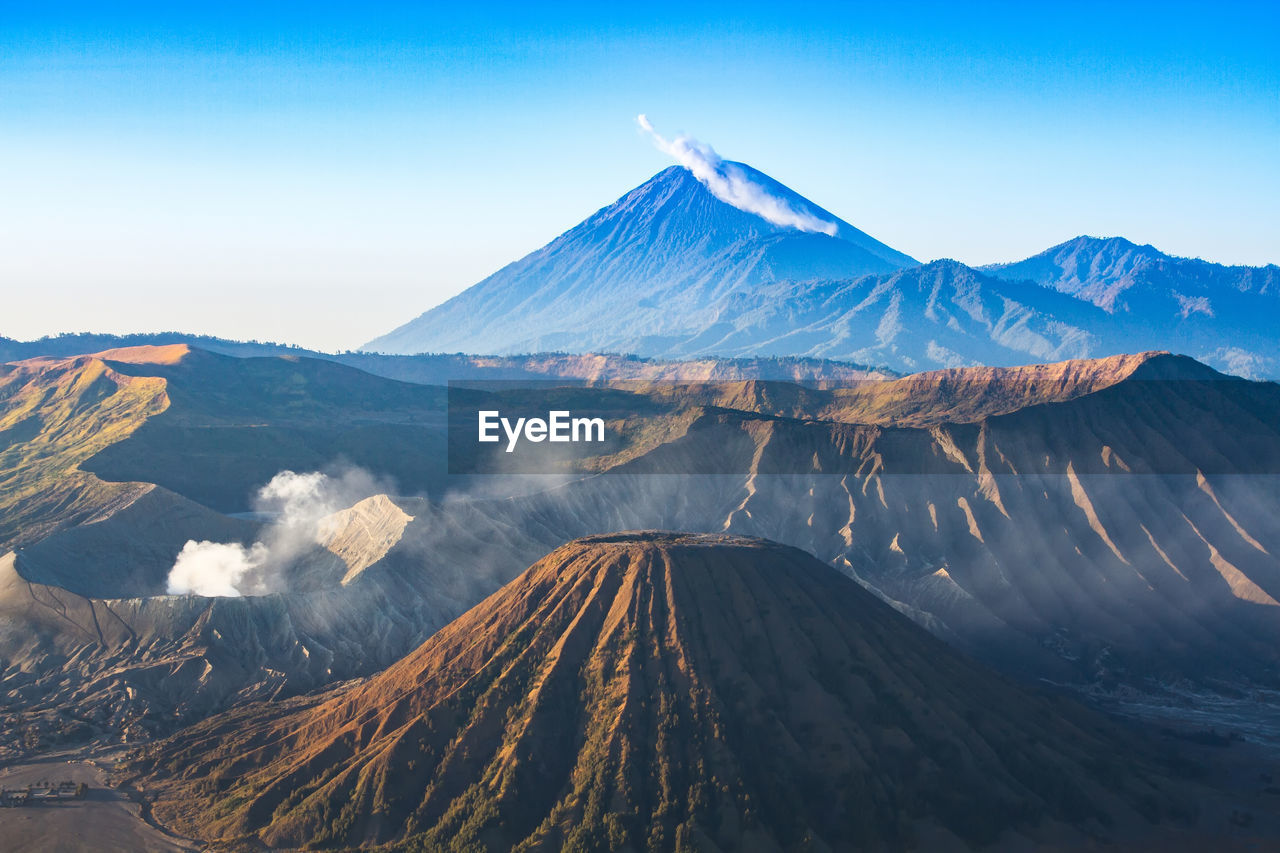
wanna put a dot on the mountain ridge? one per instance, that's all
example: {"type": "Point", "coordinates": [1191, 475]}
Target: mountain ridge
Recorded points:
{"type": "Point", "coordinates": [442, 368]}
{"type": "Point", "coordinates": [1221, 314]}
{"type": "Point", "coordinates": [1101, 269]}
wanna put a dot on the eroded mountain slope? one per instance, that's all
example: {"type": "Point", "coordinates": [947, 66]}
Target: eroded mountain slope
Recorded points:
{"type": "Point", "coordinates": [666, 691]}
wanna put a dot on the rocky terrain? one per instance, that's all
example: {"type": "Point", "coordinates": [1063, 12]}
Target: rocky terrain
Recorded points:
{"type": "Point", "coordinates": [56, 414]}
{"type": "Point", "coordinates": [1107, 525]}
{"type": "Point", "coordinates": [1113, 531]}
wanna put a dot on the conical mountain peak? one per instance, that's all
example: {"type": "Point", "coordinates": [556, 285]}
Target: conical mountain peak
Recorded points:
{"type": "Point", "coordinates": [666, 250]}
{"type": "Point", "coordinates": [661, 691]}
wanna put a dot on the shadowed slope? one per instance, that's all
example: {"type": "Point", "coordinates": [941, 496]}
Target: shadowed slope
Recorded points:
{"type": "Point", "coordinates": [660, 690]}
{"type": "Point", "coordinates": [233, 423]}
{"type": "Point", "coordinates": [1127, 530]}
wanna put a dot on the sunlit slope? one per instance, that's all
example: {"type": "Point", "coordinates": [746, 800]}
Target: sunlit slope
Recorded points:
{"type": "Point", "coordinates": [363, 534]}
{"type": "Point", "coordinates": [662, 691]}
{"type": "Point", "coordinates": [54, 415]}
{"type": "Point", "coordinates": [111, 462]}
{"type": "Point", "coordinates": [82, 437]}
{"type": "Point", "coordinates": [1095, 522]}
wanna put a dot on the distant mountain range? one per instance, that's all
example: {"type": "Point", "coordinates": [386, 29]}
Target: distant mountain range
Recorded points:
{"type": "Point", "coordinates": [1223, 315]}
{"type": "Point", "coordinates": [670, 270]}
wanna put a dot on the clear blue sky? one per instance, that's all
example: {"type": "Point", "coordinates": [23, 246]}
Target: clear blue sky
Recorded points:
{"type": "Point", "coordinates": [319, 173]}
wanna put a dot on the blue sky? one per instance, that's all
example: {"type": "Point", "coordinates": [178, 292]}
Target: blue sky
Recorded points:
{"type": "Point", "coordinates": [320, 173]}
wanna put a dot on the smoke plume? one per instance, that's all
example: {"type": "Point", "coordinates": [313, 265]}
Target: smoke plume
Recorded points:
{"type": "Point", "coordinates": [297, 504]}
{"type": "Point", "coordinates": [729, 183]}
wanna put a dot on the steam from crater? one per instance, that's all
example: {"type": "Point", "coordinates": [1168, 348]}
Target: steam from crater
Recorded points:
{"type": "Point", "coordinates": [731, 184]}
{"type": "Point", "coordinates": [297, 504]}
{"type": "Point", "coordinates": [214, 569]}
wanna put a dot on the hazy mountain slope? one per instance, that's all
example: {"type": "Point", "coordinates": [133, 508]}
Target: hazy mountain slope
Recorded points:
{"type": "Point", "coordinates": [1031, 524]}
{"type": "Point", "coordinates": [1105, 270]}
{"type": "Point", "coordinates": [1126, 529]}
{"type": "Point", "coordinates": [671, 271]}
{"type": "Point", "coordinates": [601, 367]}
{"type": "Point", "coordinates": [90, 647]}
{"type": "Point", "coordinates": [1225, 315]}
{"type": "Point", "coordinates": [670, 691]}
{"type": "Point", "coordinates": [128, 552]}
{"type": "Point", "coordinates": [943, 314]}
{"type": "Point", "coordinates": [664, 251]}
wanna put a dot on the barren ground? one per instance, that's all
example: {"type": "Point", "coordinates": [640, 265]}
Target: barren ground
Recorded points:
{"type": "Point", "coordinates": [107, 819]}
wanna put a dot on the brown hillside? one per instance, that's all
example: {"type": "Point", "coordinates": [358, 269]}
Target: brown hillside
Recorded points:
{"type": "Point", "coordinates": [662, 691]}
{"type": "Point", "coordinates": [54, 415]}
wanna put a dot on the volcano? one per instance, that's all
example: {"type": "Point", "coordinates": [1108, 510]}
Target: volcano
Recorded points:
{"type": "Point", "coordinates": [671, 270]}
{"type": "Point", "coordinates": [667, 249]}
{"type": "Point", "coordinates": [663, 691]}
